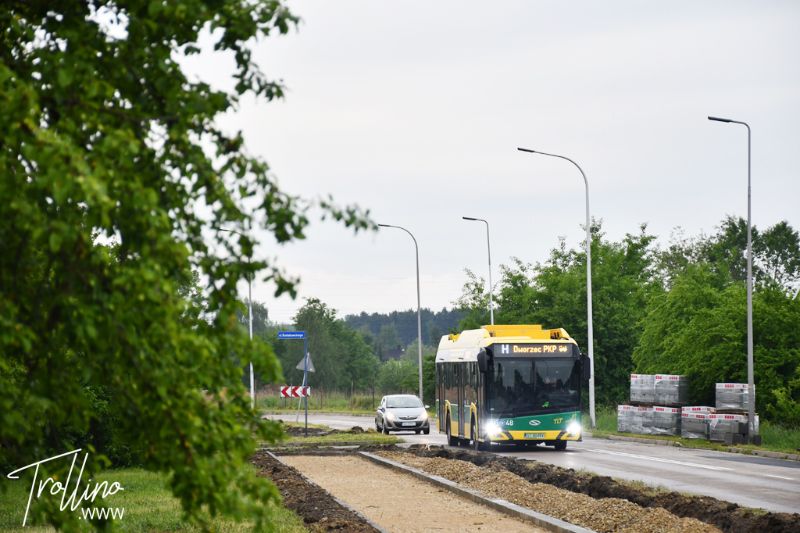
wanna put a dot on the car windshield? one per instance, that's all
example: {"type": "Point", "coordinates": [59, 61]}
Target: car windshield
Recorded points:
{"type": "Point", "coordinates": [533, 385]}
{"type": "Point", "coordinates": [403, 401]}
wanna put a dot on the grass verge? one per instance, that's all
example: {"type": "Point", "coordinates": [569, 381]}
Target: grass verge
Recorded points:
{"type": "Point", "coordinates": [148, 504]}
{"type": "Point", "coordinates": [322, 402]}
{"type": "Point", "coordinates": [339, 437]}
{"type": "Point", "coordinates": [344, 411]}
{"type": "Point", "coordinates": [774, 437]}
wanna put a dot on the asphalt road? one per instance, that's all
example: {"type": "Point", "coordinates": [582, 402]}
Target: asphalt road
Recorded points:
{"type": "Point", "coordinates": [771, 484]}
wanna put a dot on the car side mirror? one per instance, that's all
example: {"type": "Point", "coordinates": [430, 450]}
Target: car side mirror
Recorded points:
{"type": "Point", "coordinates": [586, 369]}
{"type": "Point", "coordinates": [483, 361]}
{"type": "Point", "coordinates": [427, 407]}
{"type": "Point", "coordinates": [381, 408]}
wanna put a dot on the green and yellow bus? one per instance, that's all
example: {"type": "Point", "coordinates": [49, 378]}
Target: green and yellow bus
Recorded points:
{"type": "Point", "coordinates": [510, 384]}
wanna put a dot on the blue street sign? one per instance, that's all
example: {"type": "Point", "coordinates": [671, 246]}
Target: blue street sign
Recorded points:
{"type": "Point", "coordinates": [291, 334]}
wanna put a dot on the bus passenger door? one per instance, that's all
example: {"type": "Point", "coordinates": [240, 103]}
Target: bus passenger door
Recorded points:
{"type": "Point", "coordinates": [439, 395]}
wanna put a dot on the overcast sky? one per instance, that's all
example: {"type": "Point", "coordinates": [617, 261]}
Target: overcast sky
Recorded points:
{"type": "Point", "coordinates": [415, 109]}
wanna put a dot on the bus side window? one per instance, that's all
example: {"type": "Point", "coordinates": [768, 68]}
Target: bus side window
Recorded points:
{"type": "Point", "coordinates": [449, 374]}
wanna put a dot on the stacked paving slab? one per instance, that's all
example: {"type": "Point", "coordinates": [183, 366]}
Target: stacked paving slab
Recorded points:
{"type": "Point", "coordinates": [658, 407]}
{"type": "Point", "coordinates": [655, 405]}
{"type": "Point", "coordinates": [729, 423]}
{"type": "Point", "coordinates": [694, 421]}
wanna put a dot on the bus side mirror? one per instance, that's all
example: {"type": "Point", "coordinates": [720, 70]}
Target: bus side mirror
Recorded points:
{"type": "Point", "coordinates": [586, 369]}
{"type": "Point", "coordinates": [483, 361]}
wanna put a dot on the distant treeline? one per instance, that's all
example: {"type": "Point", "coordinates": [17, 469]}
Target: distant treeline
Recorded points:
{"type": "Point", "coordinates": [399, 328]}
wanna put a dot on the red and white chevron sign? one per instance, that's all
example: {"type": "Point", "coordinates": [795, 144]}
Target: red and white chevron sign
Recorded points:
{"type": "Point", "coordinates": [293, 391]}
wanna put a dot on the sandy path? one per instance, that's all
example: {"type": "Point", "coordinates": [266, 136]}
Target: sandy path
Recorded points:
{"type": "Point", "coordinates": [399, 502]}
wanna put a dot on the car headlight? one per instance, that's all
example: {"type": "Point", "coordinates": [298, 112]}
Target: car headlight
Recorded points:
{"type": "Point", "coordinates": [424, 415]}
{"type": "Point", "coordinates": [574, 428]}
{"type": "Point", "coordinates": [493, 429]}
{"type": "Point", "coordinates": [390, 416]}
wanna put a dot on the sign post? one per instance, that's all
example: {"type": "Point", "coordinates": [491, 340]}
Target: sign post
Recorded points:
{"type": "Point", "coordinates": [296, 335]}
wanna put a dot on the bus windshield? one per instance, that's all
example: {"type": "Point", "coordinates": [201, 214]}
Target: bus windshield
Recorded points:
{"type": "Point", "coordinates": [526, 386]}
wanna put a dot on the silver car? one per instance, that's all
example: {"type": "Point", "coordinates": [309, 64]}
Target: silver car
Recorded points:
{"type": "Point", "coordinates": [402, 412]}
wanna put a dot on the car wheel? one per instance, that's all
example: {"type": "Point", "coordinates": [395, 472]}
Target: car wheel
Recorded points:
{"type": "Point", "coordinates": [385, 428]}
{"type": "Point", "coordinates": [427, 431]}
{"type": "Point", "coordinates": [560, 445]}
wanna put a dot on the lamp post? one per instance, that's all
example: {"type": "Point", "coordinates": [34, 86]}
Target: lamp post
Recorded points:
{"type": "Point", "coordinates": [590, 332]}
{"type": "Point", "coordinates": [249, 324]}
{"type": "Point", "coordinates": [419, 312]}
{"type": "Point", "coordinates": [489, 250]}
{"type": "Point", "coordinates": [751, 389]}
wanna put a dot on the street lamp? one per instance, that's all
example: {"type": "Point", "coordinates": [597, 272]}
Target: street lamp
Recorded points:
{"type": "Point", "coordinates": [751, 389]}
{"type": "Point", "coordinates": [489, 249]}
{"type": "Point", "coordinates": [588, 280]}
{"type": "Point", "coordinates": [419, 315]}
{"type": "Point", "coordinates": [249, 323]}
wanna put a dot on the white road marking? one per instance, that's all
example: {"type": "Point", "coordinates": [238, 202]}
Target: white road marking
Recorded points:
{"type": "Point", "coordinates": [780, 477]}
{"type": "Point", "coordinates": [661, 460]}
{"type": "Point", "coordinates": [683, 463]}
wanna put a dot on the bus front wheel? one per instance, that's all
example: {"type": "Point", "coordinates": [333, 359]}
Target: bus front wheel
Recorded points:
{"type": "Point", "coordinates": [476, 444]}
{"type": "Point", "coordinates": [560, 445]}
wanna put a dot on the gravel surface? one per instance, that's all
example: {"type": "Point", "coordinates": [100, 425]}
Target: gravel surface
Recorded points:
{"type": "Point", "coordinates": [399, 502]}
{"type": "Point", "coordinates": [602, 515]}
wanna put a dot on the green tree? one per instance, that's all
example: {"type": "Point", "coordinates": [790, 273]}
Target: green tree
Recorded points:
{"type": "Point", "coordinates": [342, 358]}
{"type": "Point", "coordinates": [398, 376]}
{"type": "Point", "coordinates": [698, 329]}
{"type": "Point", "coordinates": [776, 254]}
{"type": "Point", "coordinates": [386, 341]}
{"type": "Point", "coordinates": [104, 139]}
{"type": "Point", "coordinates": [429, 379]}
{"type": "Point", "coordinates": [474, 302]}
{"type": "Point", "coordinates": [553, 293]}
{"type": "Point", "coordinates": [261, 324]}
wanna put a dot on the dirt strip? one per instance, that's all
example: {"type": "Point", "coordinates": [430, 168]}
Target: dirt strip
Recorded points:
{"type": "Point", "coordinates": [399, 502]}
{"type": "Point", "coordinates": [318, 509]}
{"type": "Point", "coordinates": [602, 515]}
{"type": "Point", "coordinates": [726, 516]}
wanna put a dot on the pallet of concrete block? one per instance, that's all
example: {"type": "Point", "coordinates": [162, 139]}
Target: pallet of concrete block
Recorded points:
{"type": "Point", "coordinates": [694, 421]}
{"type": "Point", "coordinates": [635, 419]}
{"type": "Point", "coordinates": [698, 409]}
{"type": "Point", "coordinates": [670, 390]}
{"type": "Point", "coordinates": [666, 420]}
{"type": "Point", "coordinates": [643, 388]}
{"type": "Point", "coordinates": [732, 396]}
{"type": "Point", "coordinates": [624, 415]}
{"type": "Point", "coordinates": [727, 428]}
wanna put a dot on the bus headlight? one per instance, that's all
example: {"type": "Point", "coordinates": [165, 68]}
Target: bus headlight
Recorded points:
{"type": "Point", "coordinates": [493, 429]}
{"type": "Point", "coordinates": [574, 428]}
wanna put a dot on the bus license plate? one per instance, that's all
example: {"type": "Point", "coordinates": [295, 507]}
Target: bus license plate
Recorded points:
{"type": "Point", "coordinates": [406, 424]}
{"type": "Point", "coordinates": [534, 435]}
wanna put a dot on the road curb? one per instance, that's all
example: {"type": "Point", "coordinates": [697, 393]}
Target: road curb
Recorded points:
{"type": "Point", "coordinates": [655, 442]}
{"type": "Point", "coordinates": [337, 500]}
{"type": "Point", "coordinates": [741, 451]}
{"type": "Point", "coordinates": [767, 453]}
{"type": "Point", "coordinates": [503, 506]}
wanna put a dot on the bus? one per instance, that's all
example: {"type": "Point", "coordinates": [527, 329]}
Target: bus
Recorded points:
{"type": "Point", "coordinates": [510, 384]}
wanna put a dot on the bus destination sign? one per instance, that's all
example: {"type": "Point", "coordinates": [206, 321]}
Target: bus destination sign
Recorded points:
{"type": "Point", "coordinates": [523, 350]}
